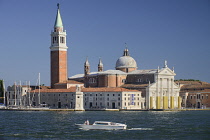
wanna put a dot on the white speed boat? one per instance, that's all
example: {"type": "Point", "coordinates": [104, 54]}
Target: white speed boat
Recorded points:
{"type": "Point", "coordinates": [102, 125]}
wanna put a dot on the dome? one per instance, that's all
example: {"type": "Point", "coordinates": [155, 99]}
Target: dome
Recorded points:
{"type": "Point", "coordinates": [126, 62]}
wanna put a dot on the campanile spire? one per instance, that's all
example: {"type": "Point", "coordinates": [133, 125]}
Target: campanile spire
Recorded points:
{"type": "Point", "coordinates": [58, 26]}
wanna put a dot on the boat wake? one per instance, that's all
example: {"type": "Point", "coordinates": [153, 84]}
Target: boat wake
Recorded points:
{"type": "Point", "coordinates": [140, 129]}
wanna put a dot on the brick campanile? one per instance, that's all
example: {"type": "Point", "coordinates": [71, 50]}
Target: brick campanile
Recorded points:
{"type": "Point", "coordinates": [58, 49]}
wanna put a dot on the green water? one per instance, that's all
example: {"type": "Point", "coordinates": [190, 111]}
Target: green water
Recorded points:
{"type": "Point", "coordinates": [61, 125]}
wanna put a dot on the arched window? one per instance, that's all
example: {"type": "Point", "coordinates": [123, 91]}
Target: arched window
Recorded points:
{"type": "Point", "coordinates": [92, 80]}
{"type": "Point", "coordinates": [139, 80]}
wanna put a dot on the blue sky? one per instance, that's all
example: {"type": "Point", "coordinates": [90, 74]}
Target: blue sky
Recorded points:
{"type": "Point", "coordinates": [155, 30]}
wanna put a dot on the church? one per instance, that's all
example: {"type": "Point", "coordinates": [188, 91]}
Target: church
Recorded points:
{"type": "Point", "coordinates": [124, 87]}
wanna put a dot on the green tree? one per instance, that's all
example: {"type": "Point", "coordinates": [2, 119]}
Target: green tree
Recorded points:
{"type": "Point", "coordinates": [1, 91]}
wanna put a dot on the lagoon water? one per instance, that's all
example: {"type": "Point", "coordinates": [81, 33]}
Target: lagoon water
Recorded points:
{"type": "Point", "coordinates": [147, 125]}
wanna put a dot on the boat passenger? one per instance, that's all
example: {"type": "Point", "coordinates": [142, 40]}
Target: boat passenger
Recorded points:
{"type": "Point", "coordinates": [86, 122]}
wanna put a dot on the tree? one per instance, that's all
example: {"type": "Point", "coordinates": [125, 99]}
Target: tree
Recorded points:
{"type": "Point", "coordinates": [1, 91]}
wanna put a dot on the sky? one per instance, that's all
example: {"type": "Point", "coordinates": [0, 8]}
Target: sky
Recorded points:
{"type": "Point", "coordinates": [155, 30]}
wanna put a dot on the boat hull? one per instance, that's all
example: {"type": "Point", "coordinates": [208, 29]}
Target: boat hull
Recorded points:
{"type": "Point", "coordinates": [103, 127]}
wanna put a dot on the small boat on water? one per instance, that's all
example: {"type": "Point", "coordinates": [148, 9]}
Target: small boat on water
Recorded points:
{"type": "Point", "coordinates": [104, 125]}
{"type": "Point", "coordinates": [2, 106]}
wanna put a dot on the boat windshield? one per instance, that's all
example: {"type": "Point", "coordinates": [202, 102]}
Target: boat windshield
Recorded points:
{"type": "Point", "coordinates": [99, 123]}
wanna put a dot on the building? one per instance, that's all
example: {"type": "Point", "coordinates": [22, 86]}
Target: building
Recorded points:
{"type": "Point", "coordinates": [195, 94]}
{"type": "Point", "coordinates": [16, 95]}
{"type": "Point", "coordinates": [125, 87]}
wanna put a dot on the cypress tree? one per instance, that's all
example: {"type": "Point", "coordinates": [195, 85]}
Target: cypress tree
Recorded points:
{"type": "Point", "coordinates": [1, 91]}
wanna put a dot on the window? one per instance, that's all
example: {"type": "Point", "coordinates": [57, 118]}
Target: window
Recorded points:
{"type": "Point", "coordinates": [125, 103]}
{"type": "Point", "coordinates": [107, 99]}
{"type": "Point", "coordinates": [119, 99]}
{"type": "Point", "coordinates": [206, 96]}
{"type": "Point", "coordinates": [139, 80]}
{"type": "Point", "coordinates": [92, 80]}
{"type": "Point", "coordinates": [118, 103]}
{"type": "Point", "coordinates": [61, 39]}
{"type": "Point", "coordinates": [123, 80]}
{"type": "Point", "coordinates": [107, 94]}
{"type": "Point", "coordinates": [113, 94]}
{"type": "Point", "coordinates": [107, 103]}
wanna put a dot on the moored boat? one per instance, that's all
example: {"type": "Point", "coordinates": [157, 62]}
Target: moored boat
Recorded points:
{"type": "Point", "coordinates": [104, 125]}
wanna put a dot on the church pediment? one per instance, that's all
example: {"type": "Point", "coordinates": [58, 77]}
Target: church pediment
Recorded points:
{"type": "Point", "coordinates": [166, 71]}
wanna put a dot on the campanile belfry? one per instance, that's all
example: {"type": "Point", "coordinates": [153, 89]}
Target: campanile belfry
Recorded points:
{"type": "Point", "coordinates": [58, 49]}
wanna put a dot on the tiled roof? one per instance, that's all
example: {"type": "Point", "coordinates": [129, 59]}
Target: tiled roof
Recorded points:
{"type": "Point", "coordinates": [74, 82]}
{"type": "Point", "coordinates": [107, 72]}
{"type": "Point", "coordinates": [113, 72]}
{"type": "Point", "coordinates": [150, 71]}
{"type": "Point", "coordinates": [192, 86]}
{"type": "Point", "coordinates": [77, 76]}
{"type": "Point", "coordinates": [191, 82]}
{"type": "Point", "coordinates": [70, 82]}
{"type": "Point", "coordinates": [135, 85]}
{"type": "Point", "coordinates": [73, 89]}
{"type": "Point", "coordinates": [116, 89]}
{"type": "Point", "coordinates": [196, 91]}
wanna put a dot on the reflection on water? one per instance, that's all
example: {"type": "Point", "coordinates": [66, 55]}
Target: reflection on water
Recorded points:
{"type": "Point", "coordinates": [145, 125]}
{"type": "Point", "coordinates": [140, 129]}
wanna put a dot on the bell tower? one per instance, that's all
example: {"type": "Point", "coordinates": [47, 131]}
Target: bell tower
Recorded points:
{"type": "Point", "coordinates": [100, 66]}
{"type": "Point", "coordinates": [86, 67]}
{"type": "Point", "coordinates": [58, 52]}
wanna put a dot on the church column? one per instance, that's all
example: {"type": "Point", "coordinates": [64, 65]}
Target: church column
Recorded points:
{"type": "Point", "coordinates": [172, 95]}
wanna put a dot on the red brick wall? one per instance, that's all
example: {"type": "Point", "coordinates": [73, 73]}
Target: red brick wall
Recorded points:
{"type": "Point", "coordinates": [58, 67]}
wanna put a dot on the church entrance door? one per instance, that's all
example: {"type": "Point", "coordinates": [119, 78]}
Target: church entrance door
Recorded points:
{"type": "Point", "coordinates": [91, 104]}
{"type": "Point", "coordinates": [113, 105]}
{"type": "Point", "coordinates": [59, 104]}
{"type": "Point", "coordinates": [199, 105]}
